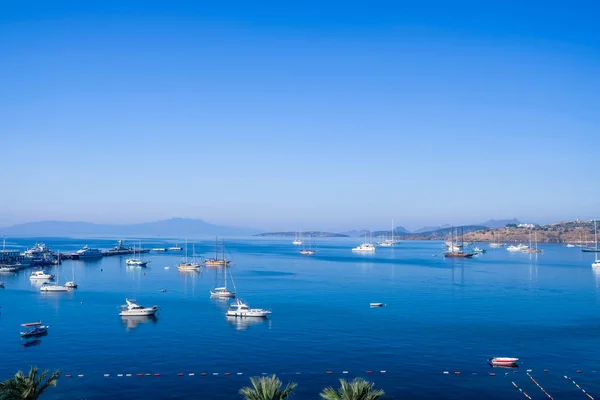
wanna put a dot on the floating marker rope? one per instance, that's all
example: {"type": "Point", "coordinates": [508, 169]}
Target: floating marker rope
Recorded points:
{"type": "Point", "coordinates": [579, 387]}
{"type": "Point", "coordinates": [541, 388]}
{"type": "Point", "coordinates": [521, 390]}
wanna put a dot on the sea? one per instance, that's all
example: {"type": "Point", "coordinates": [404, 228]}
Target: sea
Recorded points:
{"type": "Point", "coordinates": [441, 321]}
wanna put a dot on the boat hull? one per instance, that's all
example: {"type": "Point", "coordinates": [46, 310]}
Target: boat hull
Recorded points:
{"type": "Point", "coordinates": [247, 314]}
{"type": "Point", "coordinates": [144, 312]}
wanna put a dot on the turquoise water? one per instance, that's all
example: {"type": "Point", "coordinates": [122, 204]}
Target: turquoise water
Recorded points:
{"type": "Point", "coordinates": [440, 315]}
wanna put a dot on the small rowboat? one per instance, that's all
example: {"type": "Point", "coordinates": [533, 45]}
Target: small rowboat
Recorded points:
{"type": "Point", "coordinates": [376, 304]}
{"type": "Point", "coordinates": [503, 361]}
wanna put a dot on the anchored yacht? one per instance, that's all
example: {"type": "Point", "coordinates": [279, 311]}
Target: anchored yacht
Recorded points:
{"type": "Point", "coordinates": [134, 309]}
{"type": "Point", "coordinates": [241, 309]}
{"type": "Point", "coordinates": [86, 252]}
{"type": "Point", "coordinates": [41, 275]}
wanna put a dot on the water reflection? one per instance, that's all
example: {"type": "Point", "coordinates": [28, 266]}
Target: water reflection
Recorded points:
{"type": "Point", "coordinates": [31, 343]}
{"type": "Point", "coordinates": [132, 322]}
{"type": "Point", "coordinates": [242, 324]}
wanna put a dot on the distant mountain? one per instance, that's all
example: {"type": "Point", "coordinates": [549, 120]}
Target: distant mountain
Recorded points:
{"type": "Point", "coordinates": [445, 232]}
{"type": "Point", "coordinates": [432, 228]}
{"type": "Point", "coordinates": [174, 227]}
{"type": "Point", "coordinates": [398, 230]}
{"type": "Point", "coordinates": [302, 234]}
{"type": "Point", "coordinates": [499, 223]}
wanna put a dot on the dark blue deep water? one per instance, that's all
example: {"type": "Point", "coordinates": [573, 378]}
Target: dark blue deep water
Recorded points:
{"type": "Point", "coordinates": [440, 315]}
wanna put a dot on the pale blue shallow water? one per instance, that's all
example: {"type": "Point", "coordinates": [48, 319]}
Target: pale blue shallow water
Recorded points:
{"type": "Point", "coordinates": [440, 315]}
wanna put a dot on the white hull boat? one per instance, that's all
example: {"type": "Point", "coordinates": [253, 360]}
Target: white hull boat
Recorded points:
{"type": "Point", "coordinates": [240, 309]}
{"type": "Point", "coordinates": [134, 262]}
{"type": "Point", "coordinates": [520, 247]}
{"type": "Point", "coordinates": [133, 309]}
{"type": "Point", "coordinates": [71, 285]}
{"type": "Point", "coordinates": [187, 266]}
{"type": "Point", "coordinates": [503, 361]}
{"type": "Point", "coordinates": [222, 292]}
{"type": "Point", "coordinates": [53, 288]}
{"type": "Point", "coordinates": [41, 275]}
{"type": "Point", "coordinates": [376, 304]}
{"type": "Point", "coordinates": [298, 242]}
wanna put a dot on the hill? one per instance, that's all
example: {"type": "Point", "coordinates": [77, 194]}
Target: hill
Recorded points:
{"type": "Point", "coordinates": [499, 223]}
{"type": "Point", "coordinates": [174, 227]}
{"type": "Point", "coordinates": [560, 232]}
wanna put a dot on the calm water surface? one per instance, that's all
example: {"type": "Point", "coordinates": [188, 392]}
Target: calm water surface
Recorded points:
{"type": "Point", "coordinates": [440, 315]}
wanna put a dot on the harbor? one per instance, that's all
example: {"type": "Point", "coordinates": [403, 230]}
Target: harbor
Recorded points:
{"type": "Point", "coordinates": [363, 311]}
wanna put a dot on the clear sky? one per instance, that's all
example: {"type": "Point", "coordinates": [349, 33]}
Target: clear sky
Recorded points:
{"type": "Point", "coordinates": [299, 114]}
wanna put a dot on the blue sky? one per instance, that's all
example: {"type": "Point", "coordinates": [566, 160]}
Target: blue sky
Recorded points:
{"type": "Point", "coordinates": [299, 115]}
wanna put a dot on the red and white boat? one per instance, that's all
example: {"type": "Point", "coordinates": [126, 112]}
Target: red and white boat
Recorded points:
{"type": "Point", "coordinates": [503, 361]}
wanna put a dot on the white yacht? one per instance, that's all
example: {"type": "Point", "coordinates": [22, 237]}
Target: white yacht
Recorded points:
{"type": "Point", "coordinates": [46, 287]}
{"type": "Point", "coordinates": [136, 262]}
{"type": "Point", "coordinates": [86, 252]}
{"type": "Point", "coordinates": [241, 309]}
{"type": "Point", "coordinates": [71, 285]}
{"type": "Point", "coordinates": [159, 249]}
{"type": "Point", "coordinates": [520, 247]}
{"type": "Point", "coordinates": [134, 309]}
{"type": "Point", "coordinates": [391, 242]}
{"type": "Point", "coordinates": [365, 248]}
{"type": "Point", "coordinates": [570, 245]}
{"type": "Point", "coordinates": [41, 275]}
{"type": "Point", "coordinates": [39, 250]}
{"type": "Point", "coordinates": [175, 248]}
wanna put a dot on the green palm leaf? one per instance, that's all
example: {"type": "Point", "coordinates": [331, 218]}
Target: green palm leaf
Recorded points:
{"type": "Point", "coordinates": [267, 388]}
{"type": "Point", "coordinates": [357, 389]}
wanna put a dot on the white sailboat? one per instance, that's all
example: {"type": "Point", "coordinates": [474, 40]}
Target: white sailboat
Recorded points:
{"type": "Point", "coordinates": [297, 240]}
{"type": "Point", "coordinates": [48, 287]}
{"type": "Point", "coordinates": [596, 263]}
{"type": "Point", "coordinates": [389, 242]}
{"type": "Point", "coordinates": [223, 291]}
{"type": "Point", "coordinates": [71, 284]}
{"type": "Point", "coordinates": [309, 251]}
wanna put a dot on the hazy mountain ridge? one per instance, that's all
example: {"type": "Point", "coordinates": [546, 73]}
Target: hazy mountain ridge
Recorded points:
{"type": "Point", "coordinates": [174, 227]}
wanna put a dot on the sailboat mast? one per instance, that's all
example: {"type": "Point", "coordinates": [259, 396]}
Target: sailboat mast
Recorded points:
{"type": "Point", "coordinates": [393, 231]}
{"type": "Point", "coordinates": [216, 248]}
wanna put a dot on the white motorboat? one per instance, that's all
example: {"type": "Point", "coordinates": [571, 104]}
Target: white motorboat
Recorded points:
{"type": "Point", "coordinates": [71, 285]}
{"type": "Point", "coordinates": [86, 252]}
{"type": "Point", "coordinates": [503, 361]}
{"type": "Point", "coordinates": [241, 309]}
{"type": "Point", "coordinates": [46, 287]}
{"type": "Point", "coordinates": [33, 329]}
{"type": "Point", "coordinates": [365, 248]}
{"type": "Point", "coordinates": [175, 248]}
{"type": "Point", "coordinates": [376, 304]}
{"type": "Point", "coordinates": [159, 249]}
{"type": "Point", "coordinates": [570, 245]}
{"type": "Point", "coordinates": [136, 262]}
{"type": "Point", "coordinates": [41, 275]}
{"type": "Point", "coordinates": [134, 309]}
{"type": "Point", "coordinates": [10, 268]}
{"type": "Point", "coordinates": [223, 292]}
{"type": "Point", "coordinates": [519, 247]}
